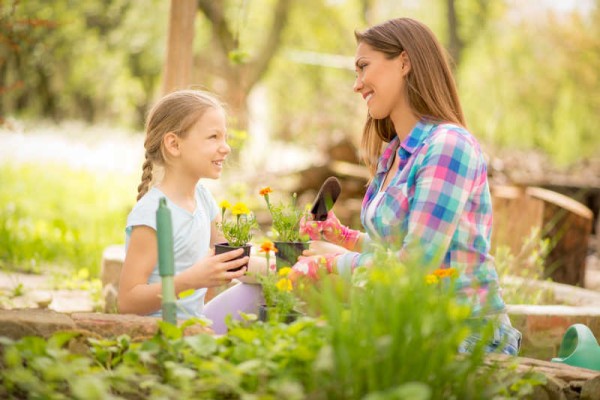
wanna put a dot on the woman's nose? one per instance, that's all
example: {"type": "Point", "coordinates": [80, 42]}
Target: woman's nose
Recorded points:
{"type": "Point", "coordinates": [358, 84]}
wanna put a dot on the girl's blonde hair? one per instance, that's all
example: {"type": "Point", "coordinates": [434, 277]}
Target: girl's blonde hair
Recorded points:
{"type": "Point", "coordinates": [176, 112]}
{"type": "Point", "coordinates": [431, 89]}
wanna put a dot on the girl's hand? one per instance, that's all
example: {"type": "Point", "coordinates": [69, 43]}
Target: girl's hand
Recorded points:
{"type": "Point", "coordinates": [213, 270]}
{"type": "Point", "coordinates": [331, 230]}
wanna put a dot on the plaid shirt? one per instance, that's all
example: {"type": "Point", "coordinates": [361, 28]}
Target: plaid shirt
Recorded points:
{"type": "Point", "coordinates": [438, 207]}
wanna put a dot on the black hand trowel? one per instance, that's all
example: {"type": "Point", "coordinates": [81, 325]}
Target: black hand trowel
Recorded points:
{"type": "Point", "coordinates": [328, 194]}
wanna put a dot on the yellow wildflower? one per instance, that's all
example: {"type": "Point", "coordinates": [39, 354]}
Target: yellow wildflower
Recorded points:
{"type": "Point", "coordinates": [224, 205]}
{"type": "Point", "coordinates": [431, 279]}
{"type": "Point", "coordinates": [285, 271]}
{"type": "Point", "coordinates": [239, 209]}
{"type": "Point", "coordinates": [284, 284]}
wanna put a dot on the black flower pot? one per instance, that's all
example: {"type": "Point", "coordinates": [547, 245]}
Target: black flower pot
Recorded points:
{"type": "Point", "coordinates": [221, 248]}
{"type": "Point", "coordinates": [265, 313]}
{"type": "Point", "coordinates": [288, 253]}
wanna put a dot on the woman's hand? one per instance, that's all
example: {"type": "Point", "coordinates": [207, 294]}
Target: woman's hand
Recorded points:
{"type": "Point", "coordinates": [312, 266]}
{"type": "Point", "coordinates": [330, 230]}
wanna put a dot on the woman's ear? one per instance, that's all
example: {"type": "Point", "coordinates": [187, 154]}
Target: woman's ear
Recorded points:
{"type": "Point", "coordinates": [171, 144]}
{"type": "Point", "coordinates": [405, 63]}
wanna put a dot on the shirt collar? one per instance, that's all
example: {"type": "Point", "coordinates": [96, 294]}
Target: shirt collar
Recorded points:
{"type": "Point", "coordinates": [410, 143]}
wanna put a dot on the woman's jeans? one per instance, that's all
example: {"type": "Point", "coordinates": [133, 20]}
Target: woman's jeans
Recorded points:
{"type": "Point", "coordinates": [505, 339]}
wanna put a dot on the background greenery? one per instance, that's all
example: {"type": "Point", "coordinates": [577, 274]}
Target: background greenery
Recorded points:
{"type": "Point", "coordinates": [528, 77]}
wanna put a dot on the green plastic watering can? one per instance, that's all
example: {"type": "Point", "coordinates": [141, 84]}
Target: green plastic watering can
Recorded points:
{"type": "Point", "coordinates": [579, 348]}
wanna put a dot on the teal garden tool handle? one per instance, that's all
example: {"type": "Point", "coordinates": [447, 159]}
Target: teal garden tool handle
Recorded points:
{"type": "Point", "coordinates": [166, 261]}
{"type": "Point", "coordinates": [579, 348]}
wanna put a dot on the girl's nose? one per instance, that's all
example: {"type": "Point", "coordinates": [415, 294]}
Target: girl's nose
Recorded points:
{"type": "Point", "coordinates": [226, 148]}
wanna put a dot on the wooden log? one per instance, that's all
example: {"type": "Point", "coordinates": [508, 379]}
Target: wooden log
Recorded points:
{"type": "Point", "coordinates": [568, 225]}
{"type": "Point", "coordinates": [563, 381]}
{"type": "Point", "coordinates": [516, 215]}
{"type": "Point", "coordinates": [518, 211]}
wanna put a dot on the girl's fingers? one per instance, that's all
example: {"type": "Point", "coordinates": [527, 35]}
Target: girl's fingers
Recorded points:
{"type": "Point", "coordinates": [235, 263]}
{"type": "Point", "coordinates": [230, 255]}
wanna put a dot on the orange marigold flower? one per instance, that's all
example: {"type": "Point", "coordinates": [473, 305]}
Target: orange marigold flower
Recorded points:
{"type": "Point", "coordinates": [267, 246]}
{"type": "Point", "coordinates": [445, 273]}
{"type": "Point", "coordinates": [265, 191]}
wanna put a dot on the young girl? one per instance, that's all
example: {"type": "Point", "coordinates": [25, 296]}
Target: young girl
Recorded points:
{"type": "Point", "coordinates": [186, 134]}
{"type": "Point", "coordinates": [428, 190]}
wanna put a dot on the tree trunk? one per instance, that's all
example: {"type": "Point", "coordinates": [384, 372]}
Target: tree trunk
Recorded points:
{"type": "Point", "coordinates": [178, 65]}
{"type": "Point", "coordinates": [455, 44]}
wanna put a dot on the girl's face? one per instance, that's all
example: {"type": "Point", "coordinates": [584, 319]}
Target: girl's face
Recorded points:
{"type": "Point", "coordinates": [205, 148]}
{"type": "Point", "coordinates": [379, 80]}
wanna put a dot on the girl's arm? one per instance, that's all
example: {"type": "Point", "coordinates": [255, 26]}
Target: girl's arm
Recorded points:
{"type": "Point", "coordinates": [136, 296]}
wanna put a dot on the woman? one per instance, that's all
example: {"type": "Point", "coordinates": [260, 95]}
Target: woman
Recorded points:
{"type": "Point", "coordinates": [428, 193]}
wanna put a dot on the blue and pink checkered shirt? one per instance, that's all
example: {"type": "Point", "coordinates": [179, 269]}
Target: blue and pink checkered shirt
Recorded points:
{"type": "Point", "coordinates": [439, 205]}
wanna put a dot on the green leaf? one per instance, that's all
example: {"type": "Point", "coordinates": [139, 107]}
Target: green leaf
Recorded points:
{"type": "Point", "coordinates": [203, 345]}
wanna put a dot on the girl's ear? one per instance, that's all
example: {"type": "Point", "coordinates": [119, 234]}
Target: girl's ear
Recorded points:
{"type": "Point", "coordinates": [171, 144]}
{"type": "Point", "coordinates": [405, 63]}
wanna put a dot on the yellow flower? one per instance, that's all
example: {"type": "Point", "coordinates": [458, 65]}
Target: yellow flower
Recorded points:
{"type": "Point", "coordinates": [267, 246]}
{"type": "Point", "coordinates": [224, 205]}
{"type": "Point", "coordinates": [265, 191]}
{"type": "Point", "coordinates": [284, 284]}
{"type": "Point", "coordinates": [239, 209]}
{"type": "Point", "coordinates": [285, 271]}
{"type": "Point", "coordinates": [431, 279]}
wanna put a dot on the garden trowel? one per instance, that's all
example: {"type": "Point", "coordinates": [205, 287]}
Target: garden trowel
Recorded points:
{"type": "Point", "coordinates": [328, 194]}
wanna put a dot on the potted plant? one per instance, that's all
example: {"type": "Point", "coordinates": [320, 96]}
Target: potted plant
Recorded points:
{"type": "Point", "coordinates": [238, 231]}
{"type": "Point", "coordinates": [280, 300]}
{"type": "Point", "coordinates": [286, 229]}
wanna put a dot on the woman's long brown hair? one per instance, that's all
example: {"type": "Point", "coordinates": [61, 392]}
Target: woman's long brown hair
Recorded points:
{"type": "Point", "coordinates": [430, 85]}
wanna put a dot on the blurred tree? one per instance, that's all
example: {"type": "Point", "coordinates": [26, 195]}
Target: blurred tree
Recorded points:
{"type": "Point", "coordinates": [534, 83]}
{"type": "Point", "coordinates": [179, 61]}
{"type": "Point", "coordinates": [240, 66]}
{"type": "Point", "coordinates": [98, 61]}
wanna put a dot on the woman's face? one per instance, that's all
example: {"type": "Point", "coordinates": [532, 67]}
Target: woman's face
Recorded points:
{"type": "Point", "coordinates": [379, 80]}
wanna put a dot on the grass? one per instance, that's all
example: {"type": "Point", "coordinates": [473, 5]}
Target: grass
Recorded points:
{"type": "Point", "coordinates": [54, 216]}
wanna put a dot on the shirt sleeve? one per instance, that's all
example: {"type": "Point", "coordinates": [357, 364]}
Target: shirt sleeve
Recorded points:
{"type": "Point", "coordinates": [443, 184]}
{"type": "Point", "coordinates": [208, 200]}
{"type": "Point", "coordinates": [446, 176]}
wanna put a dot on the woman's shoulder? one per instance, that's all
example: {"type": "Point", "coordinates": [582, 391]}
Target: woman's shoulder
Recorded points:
{"type": "Point", "coordinates": [452, 135]}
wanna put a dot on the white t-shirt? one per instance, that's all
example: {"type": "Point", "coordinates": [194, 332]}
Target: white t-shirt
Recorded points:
{"type": "Point", "coordinates": [191, 238]}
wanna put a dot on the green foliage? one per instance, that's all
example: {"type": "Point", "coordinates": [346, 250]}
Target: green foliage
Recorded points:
{"type": "Point", "coordinates": [51, 214]}
{"type": "Point", "coordinates": [527, 264]}
{"type": "Point", "coordinates": [286, 218]}
{"type": "Point", "coordinates": [277, 288]}
{"type": "Point", "coordinates": [94, 60]}
{"type": "Point", "coordinates": [532, 74]}
{"type": "Point", "coordinates": [239, 231]}
{"type": "Point", "coordinates": [386, 334]}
